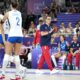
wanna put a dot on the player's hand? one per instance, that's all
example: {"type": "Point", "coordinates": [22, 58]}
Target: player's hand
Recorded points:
{"type": "Point", "coordinates": [73, 54]}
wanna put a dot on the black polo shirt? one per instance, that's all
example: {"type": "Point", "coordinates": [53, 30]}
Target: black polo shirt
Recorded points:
{"type": "Point", "coordinates": [45, 40]}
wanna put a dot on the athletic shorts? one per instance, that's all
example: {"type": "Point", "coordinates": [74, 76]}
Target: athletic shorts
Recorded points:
{"type": "Point", "coordinates": [15, 39]}
{"type": "Point", "coordinates": [64, 52]}
{"type": "Point", "coordinates": [1, 39]}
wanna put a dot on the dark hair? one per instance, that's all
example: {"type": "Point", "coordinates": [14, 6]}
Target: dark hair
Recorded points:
{"type": "Point", "coordinates": [63, 37]}
{"type": "Point", "coordinates": [14, 3]}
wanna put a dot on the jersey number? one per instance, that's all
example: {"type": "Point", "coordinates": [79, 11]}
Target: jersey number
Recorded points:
{"type": "Point", "coordinates": [18, 21]}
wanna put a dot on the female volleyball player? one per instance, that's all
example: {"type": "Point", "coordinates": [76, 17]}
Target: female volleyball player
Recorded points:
{"type": "Point", "coordinates": [14, 40]}
{"type": "Point", "coordinates": [3, 35]}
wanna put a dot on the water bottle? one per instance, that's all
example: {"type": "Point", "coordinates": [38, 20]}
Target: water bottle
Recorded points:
{"type": "Point", "coordinates": [68, 67]}
{"type": "Point", "coordinates": [73, 66]}
{"type": "Point", "coordinates": [62, 66]}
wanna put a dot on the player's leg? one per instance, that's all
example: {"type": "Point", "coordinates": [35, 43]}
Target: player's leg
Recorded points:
{"type": "Point", "coordinates": [69, 58]}
{"type": "Point", "coordinates": [77, 60]}
{"type": "Point", "coordinates": [54, 60]}
{"type": "Point", "coordinates": [47, 57]}
{"type": "Point", "coordinates": [46, 52]}
{"type": "Point", "coordinates": [17, 47]}
{"type": "Point", "coordinates": [54, 56]}
{"type": "Point", "coordinates": [16, 56]}
{"type": "Point", "coordinates": [41, 61]}
{"type": "Point", "coordinates": [8, 51]}
{"type": "Point", "coordinates": [64, 55]}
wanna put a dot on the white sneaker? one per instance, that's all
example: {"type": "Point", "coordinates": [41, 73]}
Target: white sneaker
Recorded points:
{"type": "Point", "coordinates": [76, 68]}
{"type": "Point", "coordinates": [54, 71]}
{"type": "Point", "coordinates": [39, 71]}
{"type": "Point", "coordinates": [23, 71]}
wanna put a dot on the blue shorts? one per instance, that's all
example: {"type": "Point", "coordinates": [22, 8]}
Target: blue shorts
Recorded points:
{"type": "Point", "coordinates": [15, 39]}
{"type": "Point", "coordinates": [1, 39]}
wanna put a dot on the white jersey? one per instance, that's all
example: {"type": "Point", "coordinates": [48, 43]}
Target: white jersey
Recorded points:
{"type": "Point", "coordinates": [6, 27]}
{"type": "Point", "coordinates": [15, 20]}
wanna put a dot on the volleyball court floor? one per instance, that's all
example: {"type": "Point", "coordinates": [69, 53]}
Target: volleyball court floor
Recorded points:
{"type": "Point", "coordinates": [30, 74]}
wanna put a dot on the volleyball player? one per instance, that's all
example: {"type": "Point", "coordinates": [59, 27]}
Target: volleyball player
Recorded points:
{"type": "Point", "coordinates": [14, 40]}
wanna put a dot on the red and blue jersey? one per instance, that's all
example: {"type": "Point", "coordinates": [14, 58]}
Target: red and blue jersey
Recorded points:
{"type": "Point", "coordinates": [75, 46]}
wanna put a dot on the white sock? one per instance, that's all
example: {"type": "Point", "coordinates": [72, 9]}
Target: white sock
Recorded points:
{"type": "Point", "coordinates": [63, 57]}
{"type": "Point", "coordinates": [54, 60]}
{"type": "Point", "coordinates": [12, 58]}
{"type": "Point", "coordinates": [17, 62]}
{"type": "Point", "coordinates": [5, 63]}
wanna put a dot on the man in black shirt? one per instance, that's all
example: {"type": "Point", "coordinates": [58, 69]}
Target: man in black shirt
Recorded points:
{"type": "Point", "coordinates": [45, 39]}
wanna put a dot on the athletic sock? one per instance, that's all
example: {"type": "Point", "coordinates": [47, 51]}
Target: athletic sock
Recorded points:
{"type": "Point", "coordinates": [17, 62]}
{"type": "Point", "coordinates": [5, 62]}
{"type": "Point", "coordinates": [54, 60]}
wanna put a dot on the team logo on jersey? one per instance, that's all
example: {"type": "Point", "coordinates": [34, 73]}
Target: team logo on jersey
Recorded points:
{"type": "Point", "coordinates": [73, 45]}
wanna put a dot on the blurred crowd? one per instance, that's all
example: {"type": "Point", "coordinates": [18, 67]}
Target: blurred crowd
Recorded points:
{"type": "Point", "coordinates": [59, 30]}
{"type": "Point", "coordinates": [53, 10]}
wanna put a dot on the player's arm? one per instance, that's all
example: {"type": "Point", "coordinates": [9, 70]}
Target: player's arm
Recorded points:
{"type": "Point", "coordinates": [71, 50]}
{"type": "Point", "coordinates": [5, 17]}
{"type": "Point", "coordinates": [2, 30]}
{"type": "Point", "coordinates": [45, 33]}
